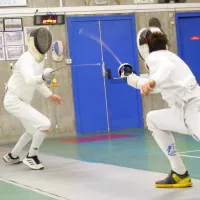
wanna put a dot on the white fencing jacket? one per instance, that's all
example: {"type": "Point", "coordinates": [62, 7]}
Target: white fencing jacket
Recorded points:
{"type": "Point", "coordinates": [174, 79]}
{"type": "Point", "coordinates": [27, 77]}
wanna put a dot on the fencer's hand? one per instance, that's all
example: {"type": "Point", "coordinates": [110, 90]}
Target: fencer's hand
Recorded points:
{"type": "Point", "coordinates": [47, 74]}
{"type": "Point", "coordinates": [124, 75]}
{"type": "Point", "coordinates": [147, 87]}
{"type": "Point", "coordinates": [56, 99]}
{"type": "Point", "coordinates": [125, 70]}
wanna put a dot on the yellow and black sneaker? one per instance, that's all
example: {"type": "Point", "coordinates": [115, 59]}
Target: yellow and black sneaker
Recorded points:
{"type": "Point", "coordinates": [175, 180]}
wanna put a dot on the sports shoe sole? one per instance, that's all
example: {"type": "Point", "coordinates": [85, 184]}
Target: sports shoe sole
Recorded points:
{"type": "Point", "coordinates": [19, 162]}
{"type": "Point", "coordinates": [177, 185]}
{"type": "Point", "coordinates": [27, 164]}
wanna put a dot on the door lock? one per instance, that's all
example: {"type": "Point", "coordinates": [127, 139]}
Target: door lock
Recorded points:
{"type": "Point", "coordinates": [109, 75]}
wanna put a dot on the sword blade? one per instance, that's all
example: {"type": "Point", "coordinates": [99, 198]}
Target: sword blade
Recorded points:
{"type": "Point", "coordinates": [78, 65]}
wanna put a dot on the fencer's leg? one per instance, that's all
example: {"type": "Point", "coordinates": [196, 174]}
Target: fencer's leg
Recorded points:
{"type": "Point", "coordinates": [31, 159]}
{"type": "Point", "coordinates": [32, 120]}
{"type": "Point", "coordinates": [166, 142]}
{"type": "Point", "coordinates": [13, 157]}
{"type": "Point", "coordinates": [161, 122]}
{"type": "Point", "coordinates": [38, 138]}
{"type": "Point", "coordinates": [192, 122]}
{"type": "Point", "coordinates": [23, 141]}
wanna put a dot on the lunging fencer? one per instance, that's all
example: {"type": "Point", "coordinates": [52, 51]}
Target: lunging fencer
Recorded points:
{"type": "Point", "coordinates": [170, 76]}
{"type": "Point", "coordinates": [29, 75]}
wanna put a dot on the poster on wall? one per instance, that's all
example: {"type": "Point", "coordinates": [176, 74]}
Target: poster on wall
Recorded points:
{"type": "Point", "coordinates": [13, 3]}
{"type": "Point", "coordinates": [13, 24]}
{"type": "Point", "coordinates": [14, 38]}
{"type": "Point", "coordinates": [14, 52]}
{"type": "Point", "coordinates": [2, 53]}
{"type": "Point", "coordinates": [1, 25]}
{"type": "Point", "coordinates": [27, 31]}
{"type": "Point", "coordinates": [1, 39]}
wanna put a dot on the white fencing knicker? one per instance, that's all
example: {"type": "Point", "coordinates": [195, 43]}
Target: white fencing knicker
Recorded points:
{"type": "Point", "coordinates": [31, 119]}
{"type": "Point", "coordinates": [183, 117]}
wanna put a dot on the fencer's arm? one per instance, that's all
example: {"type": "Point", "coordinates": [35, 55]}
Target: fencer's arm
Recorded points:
{"type": "Point", "coordinates": [27, 72]}
{"type": "Point", "coordinates": [137, 81]}
{"type": "Point", "coordinates": [162, 71]}
{"type": "Point", "coordinates": [44, 90]}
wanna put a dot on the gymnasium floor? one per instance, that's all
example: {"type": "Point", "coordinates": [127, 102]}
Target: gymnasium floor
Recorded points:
{"type": "Point", "coordinates": [118, 166]}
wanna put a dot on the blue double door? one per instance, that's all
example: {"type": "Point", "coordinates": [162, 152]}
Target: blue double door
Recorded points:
{"type": "Point", "coordinates": [188, 40]}
{"type": "Point", "coordinates": [98, 45]}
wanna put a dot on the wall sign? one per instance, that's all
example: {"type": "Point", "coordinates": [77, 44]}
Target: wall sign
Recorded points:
{"type": "Point", "coordinates": [13, 24]}
{"type": "Point", "coordinates": [195, 37]}
{"type": "Point", "coordinates": [14, 52]}
{"type": "Point", "coordinates": [13, 3]}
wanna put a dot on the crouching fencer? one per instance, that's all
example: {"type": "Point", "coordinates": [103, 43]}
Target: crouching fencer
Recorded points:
{"type": "Point", "coordinates": [29, 75]}
{"type": "Point", "coordinates": [170, 76]}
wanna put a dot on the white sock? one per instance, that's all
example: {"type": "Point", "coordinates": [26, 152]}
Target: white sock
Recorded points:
{"type": "Point", "coordinates": [38, 138]}
{"type": "Point", "coordinates": [22, 142]}
{"type": "Point", "coordinates": [166, 142]}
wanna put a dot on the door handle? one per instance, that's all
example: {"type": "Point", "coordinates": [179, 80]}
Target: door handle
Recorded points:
{"type": "Point", "coordinates": [109, 75]}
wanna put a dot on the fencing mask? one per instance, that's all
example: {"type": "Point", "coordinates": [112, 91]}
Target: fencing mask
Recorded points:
{"type": "Point", "coordinates": [145, 43]}
{"type": "Point", "coordinates": [39, 42]}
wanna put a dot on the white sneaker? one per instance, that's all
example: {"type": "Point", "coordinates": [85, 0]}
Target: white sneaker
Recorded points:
{"type": "Point", "coordinates": [33, 162]}
{"type": "Point", "coordinates": [9, 159]}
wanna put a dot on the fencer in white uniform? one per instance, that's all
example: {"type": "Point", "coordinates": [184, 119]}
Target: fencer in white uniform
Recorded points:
{"type": "Point", "coordinates": [28, 76]}
{"type": "Point", "coordinates": [170, 76]}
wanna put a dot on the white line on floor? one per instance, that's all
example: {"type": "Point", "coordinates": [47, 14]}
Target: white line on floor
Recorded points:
{"type": "Point", "coordinates": [182, 155]}
{"type": "Point", "coordinates": [31, 171]}
{"type": "Point", "coordinates": [189, 151]}
{"type": "Point", "coordinates": [32, 189]}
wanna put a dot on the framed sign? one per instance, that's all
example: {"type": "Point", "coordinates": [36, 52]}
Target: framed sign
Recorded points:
{"type": "Point", "coordinates": [13, 3]}
{"type": "Point", "coordinates": [14, 52]}
{"type": "Point", "coordinates": [13, 24]}
{"type": "Point", "coordinates": [102, 2]}
{"type": "Point", "coordinates": [14, 38]}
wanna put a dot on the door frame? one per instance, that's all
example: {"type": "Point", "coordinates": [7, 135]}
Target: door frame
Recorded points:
{"type": "Point", "coordinates": [69, 21]}
{"type": "Point", "coordinates": [178, 16]}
